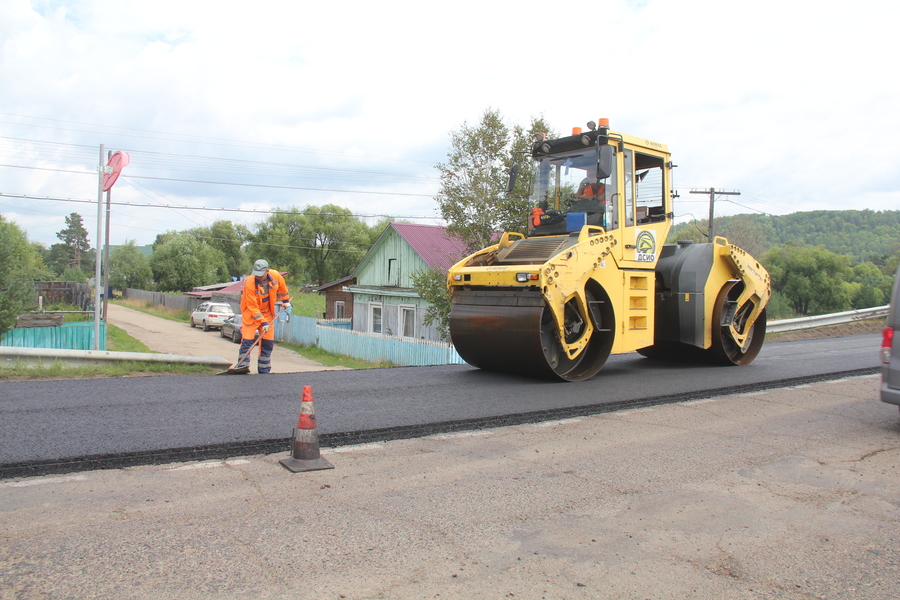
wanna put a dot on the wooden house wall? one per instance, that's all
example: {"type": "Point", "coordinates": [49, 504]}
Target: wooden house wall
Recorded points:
{"type": "Point", "coordinates": [392, 264]}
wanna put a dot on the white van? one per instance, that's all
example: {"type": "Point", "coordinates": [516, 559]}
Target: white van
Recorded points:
{"type": "Point", "coordinates": [890, 350]}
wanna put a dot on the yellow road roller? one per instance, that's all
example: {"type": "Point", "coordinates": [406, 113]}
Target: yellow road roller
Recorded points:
{"type": "Point", "coordinates": [593, 276]}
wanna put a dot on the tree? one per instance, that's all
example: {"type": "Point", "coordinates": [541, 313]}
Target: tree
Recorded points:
{"type": "Point", "coordinates": [431, 285]}
{"type": "Point", "coordinates": [20, 266]}
{"type": "Point", "coordinates": [320, 243]}
{"type": "Point", "coordinates": [812, 280]}
{"type": "Point", "coordinates": [279, 240]}
{"type": "Point", "coordinates": [472, 197]}
{"type": "Point", "coordinates": [129, 267]}
{"type": "Point", "coordinates": [229, 239]}
{"type": "Point", "coordinates": [182, 262]}
{"type": "Point", "coordinates": [73, 274]}
{"type": "Point", "coordinates": [339, 241]}
{"type": "Point", "coordinates": [75, 239]}
{"type": "Point", "coordinates": [868, 286]}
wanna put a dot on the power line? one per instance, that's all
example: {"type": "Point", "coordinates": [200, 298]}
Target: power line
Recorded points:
{"type": "Point", "coordinates": [232, 183]}
{"type": "Point", "coordinates": [712, 201]}
{"type": "Point", "coordinates": [222, 209]}
{"type": "Point", "coordinates": [169, 159]}
{"type": "Point", "coordinates": [277, 187]}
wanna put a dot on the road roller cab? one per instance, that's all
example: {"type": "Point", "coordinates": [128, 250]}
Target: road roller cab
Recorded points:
{"type": "Point", "coordinates": [584, 282]}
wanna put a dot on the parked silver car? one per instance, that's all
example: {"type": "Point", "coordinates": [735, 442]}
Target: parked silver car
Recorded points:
{"type": "Point", "coordinates": [210, 315]}
{"type": "Point", "coordinates": [231, 328]}
{"type": "Point", "coordinates": [890, 350]}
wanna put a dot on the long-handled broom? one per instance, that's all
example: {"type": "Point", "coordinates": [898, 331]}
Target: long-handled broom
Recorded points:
{"type": "Point", "coordinates": [235, 369]}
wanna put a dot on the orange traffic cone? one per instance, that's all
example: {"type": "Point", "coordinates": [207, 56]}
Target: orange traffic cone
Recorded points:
{"type": "Point", "coordinates": [305, 455]}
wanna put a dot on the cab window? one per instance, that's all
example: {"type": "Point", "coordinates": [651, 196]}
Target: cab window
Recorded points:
{"type": "Point", "coordinates": [649, 188]}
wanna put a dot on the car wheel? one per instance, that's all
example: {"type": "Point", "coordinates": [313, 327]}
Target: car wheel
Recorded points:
{"type": "Point", "coordinates": [205, 326]}
{"type": "Point", "coordinates": [236, 337]}
{"type": "Point", "coordinates": [221, 332]}
{"type": "Point", "coordinates": [192, 322]}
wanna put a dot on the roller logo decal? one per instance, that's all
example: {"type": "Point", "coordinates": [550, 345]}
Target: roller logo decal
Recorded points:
{"type": "Point", "coordinates": [645, 246]}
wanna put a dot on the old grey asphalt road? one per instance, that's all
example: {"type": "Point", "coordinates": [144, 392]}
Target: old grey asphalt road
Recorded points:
{"type": "Point", "coordinates": [783, 494]}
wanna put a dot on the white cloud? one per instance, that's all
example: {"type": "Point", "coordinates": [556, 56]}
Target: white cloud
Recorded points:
{"type": "Point", "coordinates": [790, 102]}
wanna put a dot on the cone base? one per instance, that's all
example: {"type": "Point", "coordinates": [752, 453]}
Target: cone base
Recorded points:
{"type": "Point", "coordinates": [295, 465]}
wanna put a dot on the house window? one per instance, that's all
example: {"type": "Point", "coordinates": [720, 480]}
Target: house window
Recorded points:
{"type": "Point", "coordinates": [339, 309]}
{"type": "Point", "coordinates": [375, 318]}
{"type": "Point", "coordinates": [407, 321]}
{"type": "Point", "coordinates": [393, 277]}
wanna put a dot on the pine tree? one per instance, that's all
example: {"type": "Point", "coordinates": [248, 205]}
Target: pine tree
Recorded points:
{"type": "Point", "coordinates": [75, 238]}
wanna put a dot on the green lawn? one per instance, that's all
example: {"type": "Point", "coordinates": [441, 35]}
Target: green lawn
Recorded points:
{"type": "Point", "coordinates": [308, 305]}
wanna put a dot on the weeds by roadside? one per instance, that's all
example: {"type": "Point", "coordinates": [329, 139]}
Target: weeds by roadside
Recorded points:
{"type": "Point", "coordinates": [173, 314]}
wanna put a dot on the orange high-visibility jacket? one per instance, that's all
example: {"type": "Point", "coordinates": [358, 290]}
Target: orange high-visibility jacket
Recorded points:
{"type": "Point", "coordinates": [258, 301]}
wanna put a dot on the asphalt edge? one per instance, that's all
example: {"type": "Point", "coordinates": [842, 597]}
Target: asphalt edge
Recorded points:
{"type": "Point", "coordinates": [334, 440]}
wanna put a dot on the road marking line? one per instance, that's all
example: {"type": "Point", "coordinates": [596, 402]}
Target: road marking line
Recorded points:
{"type": "Point", "coordinates": [557, 422]}
{"type": "Point", "coordinates": [354, 448]}
{"type": "Point", "coordinates": [461, 434]}
{"type": "Point", "coordinates": [43, 480]}
{"type": "Point", "coordinates": [700, 401]}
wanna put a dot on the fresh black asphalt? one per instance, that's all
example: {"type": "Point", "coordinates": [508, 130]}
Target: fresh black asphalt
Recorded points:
{"type": "Point", "coordinates": [60, 426]}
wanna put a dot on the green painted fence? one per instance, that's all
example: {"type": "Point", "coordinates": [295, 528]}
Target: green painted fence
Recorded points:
{"type": "Point", "coordinates": [68, 336]}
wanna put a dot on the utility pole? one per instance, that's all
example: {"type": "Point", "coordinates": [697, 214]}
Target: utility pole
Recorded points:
{"type": "Point", "coordinates": [98, 282]}
{"type": "Point", "coordinates": [712, 201]}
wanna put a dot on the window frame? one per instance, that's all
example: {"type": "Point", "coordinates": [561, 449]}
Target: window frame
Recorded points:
{"type": "Point", "coordinates": [404, 308]}
{"type": "Point", "coordinates": [372, 307]}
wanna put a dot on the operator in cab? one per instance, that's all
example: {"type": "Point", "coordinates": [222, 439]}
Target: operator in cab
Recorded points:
{"type": "Point", "coordinates": [590, 190]}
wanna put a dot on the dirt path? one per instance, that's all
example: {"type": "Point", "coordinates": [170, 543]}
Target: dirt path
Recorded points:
{"type": "Point", "coordinates": [171, 337]}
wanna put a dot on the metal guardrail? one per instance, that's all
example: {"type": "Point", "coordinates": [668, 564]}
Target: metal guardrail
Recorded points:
{"type": "Point", "coordinates": [849, 316]}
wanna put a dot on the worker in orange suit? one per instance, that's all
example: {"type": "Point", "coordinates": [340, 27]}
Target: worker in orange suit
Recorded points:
{"type": "Point", "coordinates": [263, 292]}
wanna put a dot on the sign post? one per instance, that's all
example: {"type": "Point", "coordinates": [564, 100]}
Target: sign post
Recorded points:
{"type": "Point", "coordinates": [108, 176]}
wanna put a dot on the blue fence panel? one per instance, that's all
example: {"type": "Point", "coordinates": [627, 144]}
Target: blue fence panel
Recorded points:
{"type": "Point", "coordinates": [374, 348]}
{"type": "Point", "coordinates": [68, 336]}
{"type": "Point", "coordinates": [299, 330]}
{"type": "Point", "coordinates": [335, 338]}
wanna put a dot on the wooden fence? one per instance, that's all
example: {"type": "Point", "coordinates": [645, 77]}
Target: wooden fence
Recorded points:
{"type": "Point", "coordinates": [65, 292]}
{"type": "Point", "coordinates": [187, 303]}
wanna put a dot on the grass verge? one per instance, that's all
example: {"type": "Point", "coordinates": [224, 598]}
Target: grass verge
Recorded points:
{"type": "Point", "coordinates": [118, 340]}
{"type": "Point", "coordinates": [57, 370]}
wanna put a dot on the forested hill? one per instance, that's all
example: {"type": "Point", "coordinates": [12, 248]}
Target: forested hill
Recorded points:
{"type": "Point", "coordinates": [863, 235]}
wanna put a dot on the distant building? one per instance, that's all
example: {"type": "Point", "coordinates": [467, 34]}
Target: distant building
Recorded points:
{"type": "Point", "coordinates": [379, 296]}
{"type": "Point", "coordinates": [338, 301]}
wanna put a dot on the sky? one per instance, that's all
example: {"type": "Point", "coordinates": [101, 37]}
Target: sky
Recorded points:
{"type": "Point", "coordinates": [228, 111]}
